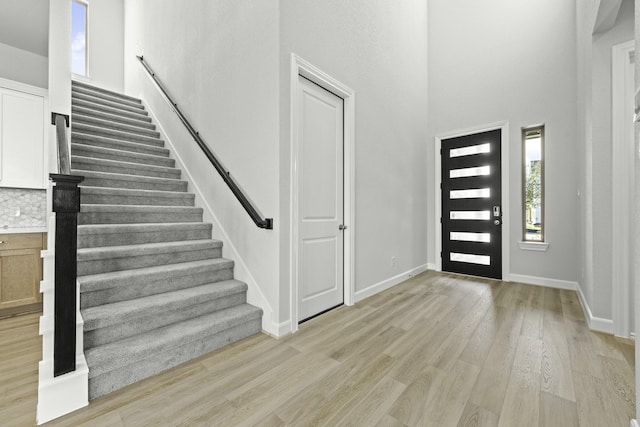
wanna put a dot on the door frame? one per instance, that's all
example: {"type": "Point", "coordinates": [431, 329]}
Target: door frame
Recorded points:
{"type": "Point", "coordinates": [623, 189]}
{"type": "Point", "coordinates": [300, 67]}
{"type": "Point", "coordinates": [506, 221]}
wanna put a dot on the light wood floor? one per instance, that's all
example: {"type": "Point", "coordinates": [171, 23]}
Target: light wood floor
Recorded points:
{"type": "Point", "coordinates": [433, 351]}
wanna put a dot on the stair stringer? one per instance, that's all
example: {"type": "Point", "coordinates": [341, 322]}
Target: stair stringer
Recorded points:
{"type": "Point", "coordinates": [255, 296]}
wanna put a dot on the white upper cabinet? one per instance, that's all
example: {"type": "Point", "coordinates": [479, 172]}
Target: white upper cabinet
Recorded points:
{"type": "Point", "coordinates": [22, 139]}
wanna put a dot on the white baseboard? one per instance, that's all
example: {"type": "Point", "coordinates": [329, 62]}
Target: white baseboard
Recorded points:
{"type": "Point", "coordinates": [61, 395]}
{"type": "Point", "coordinates": [543, 281]}
{"type": "Point", "coordinates": [282, 329]}
{"type": "Point", "coordinates": [595, 323]}
{"type": "Point", "coordinates": [254, 293]}
{"type": "Point", "coordinates": [392, 281]}
{"type": "Point", "coordinates": [431, 266]}
{"type": "Point", "coordinates": [634, 423]}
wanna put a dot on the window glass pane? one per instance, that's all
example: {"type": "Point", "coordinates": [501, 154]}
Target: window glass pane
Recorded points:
{"type": "Point", "coordinates": [78, 38]}
{"type": "Point", "coordinates": [470, 237]}
{"type": "Point", "coordinates": [462, 173]}
{"type": "Point", "coordinates": [470, 215]}
{"type": "Point", "coordinates": [470, 258]}
{"type": "Point", "coordinates": [475, 193]}
{"type": "Point", "coordinates": [468, 151]}
{"type": "Point", "coordinates": [533, 184]}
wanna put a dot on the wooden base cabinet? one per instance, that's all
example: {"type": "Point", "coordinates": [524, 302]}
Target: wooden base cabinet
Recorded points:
{"type": "Point", "coordinates": [20, 272]}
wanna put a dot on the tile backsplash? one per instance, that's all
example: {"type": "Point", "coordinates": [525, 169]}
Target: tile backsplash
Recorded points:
{"type": "Point", "coordinates": [22, 208]}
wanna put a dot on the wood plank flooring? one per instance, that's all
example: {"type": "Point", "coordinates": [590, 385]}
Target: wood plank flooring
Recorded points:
{"type": "Point", "coordinates": [436, 350]}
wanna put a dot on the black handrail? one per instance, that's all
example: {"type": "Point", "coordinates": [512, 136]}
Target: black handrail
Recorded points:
{"type": "Point", "coordinates": [257, 218]}
{"type": "Point", "coordinates": [61, 122]}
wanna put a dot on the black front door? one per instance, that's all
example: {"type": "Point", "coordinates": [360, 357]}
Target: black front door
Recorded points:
{"type": "Point", "coordinates": [472, 205]}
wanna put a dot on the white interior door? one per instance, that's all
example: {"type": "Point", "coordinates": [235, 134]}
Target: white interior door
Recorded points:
{"type": "Point", "coordinates": [320, 200]}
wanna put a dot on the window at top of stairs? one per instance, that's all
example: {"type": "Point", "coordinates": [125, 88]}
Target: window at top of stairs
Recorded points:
{"type": "Point", "coordinates": [79, 24]}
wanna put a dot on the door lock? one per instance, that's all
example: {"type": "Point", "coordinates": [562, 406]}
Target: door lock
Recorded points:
{"type": "Point", "coordinates": [496, 222]}
{"type": "Point", "coordinates": [342, 227]}
{"type": "Point", "coordinates": [496, 211]}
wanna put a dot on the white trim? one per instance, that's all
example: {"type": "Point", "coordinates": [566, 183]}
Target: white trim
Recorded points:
{"type": "Point", "coordinates": [634, 423]}
{"type": "Point", "coordinates": [543, 281]}
{"type": "Point", "coordinates": [241, 271]}
{"type": "Point", "coordinates": [303, 68]}
{"type": "Point", "coordinates": [623, 188]}
{"type": "Point", "coordinates": [506, 222]}
{"type": "Point", "coordinates": [283, 329]}
{"type": "Point", "coordinates": [595, 323]}
{"type": "Point", "coordinates": [61, 395]}
{"type": "Point", "coordinates": [431, 266]}
{"type": "Point", "coordinates": [23, 87]}
{"type": "Point", "coordinates": [390, 282]}
{"type": "Point", "coordinates": [533, 246]}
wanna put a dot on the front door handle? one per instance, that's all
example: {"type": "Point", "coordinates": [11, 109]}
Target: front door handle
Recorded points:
{"type": "Point", "coordinates": [342, 227]}
{"type": "Point", "coordinates": [496, 222]}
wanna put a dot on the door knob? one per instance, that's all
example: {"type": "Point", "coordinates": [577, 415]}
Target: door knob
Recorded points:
{"type": "Point", "coordinates": [342, 227]}
{"type": "Point", "coordinates": [496, 222]}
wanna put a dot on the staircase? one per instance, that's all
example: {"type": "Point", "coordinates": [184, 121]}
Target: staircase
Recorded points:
{"type": "Point", "coordinates": [154, 289]}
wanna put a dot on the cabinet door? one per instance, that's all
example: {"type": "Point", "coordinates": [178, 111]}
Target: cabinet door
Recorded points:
{"type": "Point", "coordinates": [20, 275]}
{"type": "Point", "coordinates": [21, 140]}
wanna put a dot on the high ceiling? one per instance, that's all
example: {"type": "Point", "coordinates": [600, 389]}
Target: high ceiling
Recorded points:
{"type": "Point", "coordinates": [24, 24]}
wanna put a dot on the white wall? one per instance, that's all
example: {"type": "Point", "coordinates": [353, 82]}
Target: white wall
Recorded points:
{"type": "Point", "coordinates": [601, 302]}
{"type": "Point", "coordinates": [500, 60]}
{"type": "Point", "coordinates": [23, 66]}
{"type": "Point", "coordinates": [106, 44]}
{"type": "Point", "coordinates": [219, 60]}
{"type": "Point", "coordinates": [227, 65]}
{"type": "Point", "coordinates": [594, 144]}
{"type": "Point", "coordinates": [378, 49]}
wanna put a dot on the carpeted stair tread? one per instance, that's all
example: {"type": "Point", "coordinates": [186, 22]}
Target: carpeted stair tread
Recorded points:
{"type": "Point", "coordinates": [98, 107]}
{"type": "Point", "coordinates": [96, 152]}
{"type": "Point", "coordinates": [100, 235]}
{"type": "Point", "coordinates": [117, 180]}
{"type": "Point", "coordinates": [118, 354]}
{"type": "Point", "coordinates": [127, 311]}
{"type": "Point", "coordinates": [87, 254]}
{"type": "Point", "coordinates": [83, 132]}
{"type": "Point", "coordinates": [96, 99]}
{"type": "Point", "coordinates": [130, 257]}
{"type": "Point", "coordinates": [156, 311]}
{"type": "Point", "coordinates": [103, 99]}
{"type": "Point", "coordinates": [141, 128]}
{"type": "Point", "coordinates": [102, 91]}
{"type": "Point", "coordinates": [128, 196]}
{"type": "Point", "coordinates": [140, 121]}
{"type": "Point", "coordinates": [123, 214]}
{"type": "Point", "coordinates": [78, 92]}
{"type": "Point", "coordinates": [151, 137]}
{"type": "Point", "coordinates": [108, 126]}
{"type": "Point", "coordinates": [129, 168]}
{"type": "Point", "coordinates": [140, 275]}
{"type": "Point", "coordinates": [134, 147]}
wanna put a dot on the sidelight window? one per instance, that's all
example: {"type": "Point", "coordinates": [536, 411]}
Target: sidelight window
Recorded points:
{"type": "Point", "coordinates": [533, 184]}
